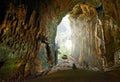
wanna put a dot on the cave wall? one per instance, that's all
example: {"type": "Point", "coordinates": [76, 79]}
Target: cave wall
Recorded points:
{"type": "Point", "coordinates": [95, 33]}
{"type": "Point", "coordinates": [28, 30]}
{"type": "Point", "coordinates": [111, 25]}
{"type": "Point", "coordinates": [27, 34]}
{"type": "Point", "coordinates": [86, 42]}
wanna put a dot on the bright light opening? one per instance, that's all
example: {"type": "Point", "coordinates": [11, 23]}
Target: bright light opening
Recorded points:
{"type": "Point", "coordinates": [68, 44]}
{"type": "Point", "coordinates": [63, 39]}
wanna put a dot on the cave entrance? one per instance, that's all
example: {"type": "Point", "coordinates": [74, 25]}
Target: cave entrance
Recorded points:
{"type": "Point", "coordinates": [63, 40]}
{"type": "Point", "coordinates": [80, 39]}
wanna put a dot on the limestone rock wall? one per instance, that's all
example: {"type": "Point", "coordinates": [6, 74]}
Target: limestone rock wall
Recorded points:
{"type": "Point", "coordinates": [28, 29]}
{"type": "Point", "coordinates": [86, 42]}
{"type": "Point", "coordinates": [96, 31]}
{"type": "Point", "coordinates": [27, 34]}
{"type": "Point", "coordinates": [111, 25]}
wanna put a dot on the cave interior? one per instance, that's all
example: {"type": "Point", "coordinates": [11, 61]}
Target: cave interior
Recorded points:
{"type": "Point", "coordinates": [51, 37]}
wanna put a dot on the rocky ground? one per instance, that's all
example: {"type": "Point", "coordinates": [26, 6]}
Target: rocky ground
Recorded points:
{"type": "Point", "coordinates": [68, 72]}
{"type": "Point", "coordinates": [79, 76]}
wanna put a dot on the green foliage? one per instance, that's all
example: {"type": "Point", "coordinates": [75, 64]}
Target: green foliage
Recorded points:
{"type": "Point", "coordinates": [63, 51]}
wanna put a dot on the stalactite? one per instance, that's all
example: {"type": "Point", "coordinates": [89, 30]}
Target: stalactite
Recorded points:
{"type": "Point", "coordinates": [100, 41]}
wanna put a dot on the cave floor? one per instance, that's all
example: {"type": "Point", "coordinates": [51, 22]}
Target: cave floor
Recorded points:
{"type": "Point", "coordinates": [79, 76]}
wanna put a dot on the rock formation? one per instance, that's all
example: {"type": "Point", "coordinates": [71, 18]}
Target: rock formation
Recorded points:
{"type": "Point", "coordinates": [28, 30]}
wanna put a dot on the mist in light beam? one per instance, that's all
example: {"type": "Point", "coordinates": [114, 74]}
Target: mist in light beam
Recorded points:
{"type": "Point", "coordinates": [63, 37]}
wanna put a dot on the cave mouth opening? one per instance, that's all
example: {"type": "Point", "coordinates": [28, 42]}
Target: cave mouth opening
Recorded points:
{"type": "Point", "coordinates": [63, 42]}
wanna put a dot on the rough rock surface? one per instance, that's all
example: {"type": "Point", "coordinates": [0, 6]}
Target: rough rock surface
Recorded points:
{"type": "Point", "coordinates": [28, 30]}
{"type": "Point", "coordinates": [95, 35]}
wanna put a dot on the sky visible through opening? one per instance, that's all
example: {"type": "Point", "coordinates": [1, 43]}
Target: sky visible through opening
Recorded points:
{"type": "Point", "coordinates": [63, 38]}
